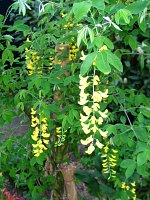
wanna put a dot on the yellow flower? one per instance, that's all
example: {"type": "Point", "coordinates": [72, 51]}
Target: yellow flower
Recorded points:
{"type": "Point", "coordinates": [103, 133]}
{"type": "Point", "coordinates": [83, 100]}
{"type": "Point", "coordinates": [36, 120]}
{"type": "Point", "coordinates": [34, 137]}
{"type": "Point", "coordinates": [30, 66]}
{"type": "Point", "coordinates": [104, 94]}
{"type": "Point", "coordinates": [112, 160]}
{"type": "Point", "coordinates": [97, 97]}
{"type": "Point", "coordinates": [44, 120]}
{"type": "Point", "coordinates": [96, 106]}
{"type": "Point", "coordinates": [127, 187]}
{"type": "Point", "coordinates": [58, 130]}
{"type": "Point", "coordinates": [100, 120]}
{"type": "Point", "coordinates": [46, 135]}
{"type": "Point", "coordinates": [34, 145]}
{"type": "Point", "coordinates": [104, 164]}
{"type": "Point", "coordinates": [83, 56]}
{"type": "Point", "coordinates": [85, 128]}
{"type": "Point", "coordinates": [93, 120]}
{"type": "Point", "coordinates": [113, 156]}
{"type": "Point", "coordinates": [83, 118]}
{"type": "Point", "coordinates": [106, 149]}
{"type": "Point", "coordinates": [87, 141]}
{"type": "Point", "coordinates": [113, 164]}
{"type": "Point", "coordinates": [33, 112]}
{"type": "Point", "coordinates": [113, 172]}
{"type": "Point", "coordinates": [39, 142]}
{"type": "Point", "coordinates": [37, 154]}
{"type": "Point", "coordinates": [94, 128]}
{"type": "Point", "coordinates": [63, 15]}
{"type": "Point", "coordinates": [96, 80]}
{"type": "Point", "coordinates": [133, 190]}
{"type": "Point", "coordinates": [134, 198]}
{"type": "Point", "coordinates": [99, 145]}
{"type": "Point", "coordinates": [46, 141]}
{"type": "Point", "coordinates": [104, 114]}
{"type": "Point", "coordinates": [123, 185]}
{"type": "Point", "coordinates": [133, 184]}
{"type": "Point", "coordinates": [44, 127]}
{"type": "Point", "coordinates": [28, 40]}
{"type": "Point", "coordinates": [87, 110]}
{"type": "Point", "coordinates": [104, 156]}
{"type": "Point", "coordinates": [90, 149]}
{"type": "Point", "coordinates": [114, 151]}
{"type": "Point", "coordinates": [33, 124]}
{"type": "Point", "coordinates": [105, 172]}
{"type": "Point", "coordinates": [104, 47]}
{"type": "Point", "coordinates": [83, 81]}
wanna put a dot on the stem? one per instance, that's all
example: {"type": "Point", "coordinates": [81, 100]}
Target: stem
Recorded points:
{"type": "Point", "coordinates": [94, 22]}
{"type": "Point", "coordinates": [141, 54]}
{"type": "Point", "coordinates": [130, 123]}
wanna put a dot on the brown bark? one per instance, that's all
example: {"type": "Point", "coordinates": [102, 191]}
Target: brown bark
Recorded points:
{"type": "Point", "coordinates": [68, 171]}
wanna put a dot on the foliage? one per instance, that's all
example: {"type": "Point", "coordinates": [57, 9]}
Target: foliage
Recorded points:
{"type": "Point", "coordinates": [43, 55]}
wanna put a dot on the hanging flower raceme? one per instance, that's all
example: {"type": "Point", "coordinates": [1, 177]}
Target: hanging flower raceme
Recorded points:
{"type": "Point", "coordinates": [61, 137]}
{"type": "Point", "coordinates": [130, 187]}
{"type": "Point", "coordinates": [109, 160]}
{"type": "Point", "coordinates": [92, 117]}
{"type": "Point", "coordinates": [32, 59]}
{"type": "Point", "coordinates": [40, 134]}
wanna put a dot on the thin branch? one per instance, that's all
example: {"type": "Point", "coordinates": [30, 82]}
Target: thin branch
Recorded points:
{"type": "Point", "coordinates": [141, 54]}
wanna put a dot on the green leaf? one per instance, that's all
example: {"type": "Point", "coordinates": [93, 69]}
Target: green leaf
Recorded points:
{"type": "Point", "coordinates": [75, 114]}
{"type": "Point", "coordinates": [141, 146]}
{"type": "Point", "coordinates": [81, 9]}
{"type": "Point", "coordinates": [5, 55]}
{"type": "Point", "coordinates": [123, 16]}
{"type": "Point", "coordinates": [130, 165]}
{"type": "Point", "coordinates": [99, 41]}
{"type": "Point", "coordinates": [143, 25]}
{"type": "Point", "coordinates": [142, 158]}
{"type": "Point", "coordinates": [1, 47]}
{"type": "Point", "coordinates": [102, 62]}
{"type": "Point", "coordinates": [145, 112]}
{"type": "Point", "coordinates": [87, 63]}
{"type": "Point", "coordinates": [108, 42]}
{"type": "Point", "coordinates": [126, 163]}
{"type": "Point", "coordinates": [64, 121]}
{"type": "Point", "coordinates": [142, 133]}
{"type": "Point", "coordinates": [12, 172]}
{"type": "Point", "coordinates": [19, 26]}
{"type": "Point", "coordinates": [114, 61]}
{"type": "Point", "coordinates": [130, 170]}
{"type": "Point", "coordinates": [80, 36]}
{"type": "Point", "coordinates": [142, 170]}
{"type": "Point", "coordinates": [99, 4]}
{"type": "Point", "coordinates": [137, 7]}
{"type": "Point", "coordinates": [132, 42]}
{"type": "Point", "coordinates": [91, 34]}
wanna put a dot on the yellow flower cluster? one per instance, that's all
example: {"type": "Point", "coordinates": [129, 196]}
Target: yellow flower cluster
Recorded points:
{"type": "Point", "coordinates": [31, 60]}
{"type": "Point", "coordinates": [109, 161]}
{"type": "Point", "coordinates": [61, 137]}
{"type": "Point", "coordinates": [131, 188]}
{"type": "Point", "coordinates": [71, 24]}
{"type": "Point", "coordinates": [72, 52]}
{"type": "Point", "coordinates": [52, 62]}
{"type": "Point", "coordinates": [63, 15]}
{"type": "Point", "coordinates": [93, 117]}
{"type": "Point", "coordinates": [39, 135]}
